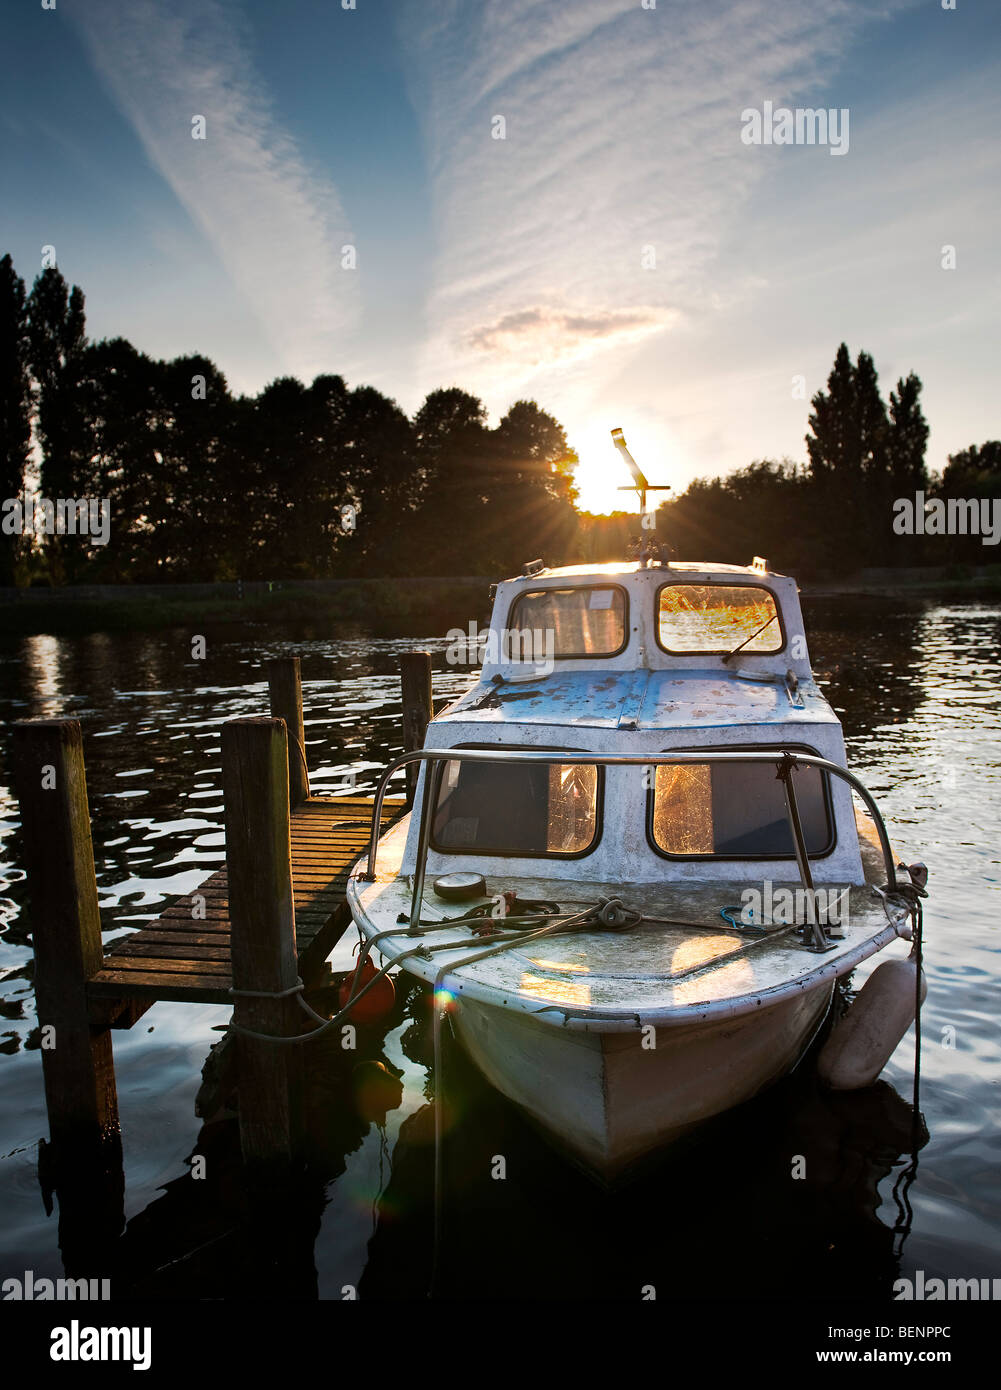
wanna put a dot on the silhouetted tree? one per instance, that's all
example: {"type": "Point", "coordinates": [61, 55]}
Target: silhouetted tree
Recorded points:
{"type": "Point", "coordinates": [117, 408]}
{"type": "Point", "coordinates": [861, 458]}
{"type": "Point", "coordinates": [763, 509]}
{"type": "Point", "coordinates": [56, 324]}
{"type": "Point", "coordinates": [291, 466]}
{"type": "Point", "coordinates": [494, 494]}
{"type": "Point", "coordinates": [15, 405]}
{"type": "Point", "coordinates": [382, 478]}
{"type": "Point", "coordinates": [908, 437]}
{"type": "Point", "coordinates": [535, 490]}
{"type": "Point", "coordinates": [450, 449]}
{"type": "Point", "coordinates": [200, 507]}
{"type": "Point", "coordinates": [972, 474]}
{"type": "Point", "coordinates": [977, 467]}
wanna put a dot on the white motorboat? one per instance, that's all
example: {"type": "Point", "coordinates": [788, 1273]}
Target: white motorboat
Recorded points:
{"type": "Point", "coordinates": [648, 801]}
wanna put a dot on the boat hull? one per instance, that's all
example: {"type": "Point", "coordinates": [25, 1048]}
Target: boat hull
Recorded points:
{"type": "Point", "coordinates": [612, 1099]}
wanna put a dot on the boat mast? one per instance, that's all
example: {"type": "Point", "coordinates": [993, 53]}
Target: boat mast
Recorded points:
{"type": "Point", "coordinates": [641, 487]}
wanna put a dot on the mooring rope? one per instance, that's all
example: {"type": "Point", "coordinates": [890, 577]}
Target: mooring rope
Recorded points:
{"type": "Point", "coordinates": [609, 914]}
{"type": "Point", "coordinates": [907, 897]}
{"type": "Point", "coordinates": [902, 1186]}
{"type": "Point", "coordinates": [555, 922]}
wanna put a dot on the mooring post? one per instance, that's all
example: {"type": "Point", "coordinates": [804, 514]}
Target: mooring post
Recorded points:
{"type": "Point", "coordinates": [262, 926]}
{"type": "Point", "coordinates": [418, 708]}
{"type": "Point", "coordinates": [285, 693]}
{"type": "Point", "coordinates": [77, 1062]}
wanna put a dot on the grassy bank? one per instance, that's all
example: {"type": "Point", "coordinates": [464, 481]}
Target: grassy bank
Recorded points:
{"type": "Point", "coordinates": [383, 607]}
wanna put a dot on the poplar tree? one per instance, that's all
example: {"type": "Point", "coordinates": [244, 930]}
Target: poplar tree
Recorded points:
{"type": "Point", "coordinates": [908, 437]}
{"type": "Point", "coordinates": [850, 464]}
{"type": "Point", "coordinates": [15, 404]}
{"type": "Point", "coordinates": [56, 338]}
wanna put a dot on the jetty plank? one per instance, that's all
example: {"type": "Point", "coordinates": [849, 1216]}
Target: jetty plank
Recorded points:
{"type": "Point", "coordinates": [184, 954]}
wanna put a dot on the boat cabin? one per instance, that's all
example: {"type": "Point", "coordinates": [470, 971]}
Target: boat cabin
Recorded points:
{"type": "Point", "coordinates": [641, 659]}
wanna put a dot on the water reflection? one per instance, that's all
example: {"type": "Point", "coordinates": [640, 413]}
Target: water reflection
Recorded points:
{"type": "Point", "coordinates": [43, 674]}
{"type": "Point", "coordinates": [783, 1189]}
{"type": "Point", "coordinates": [917, 687]}
{"type": "Point", "coordinates": [868, 658]}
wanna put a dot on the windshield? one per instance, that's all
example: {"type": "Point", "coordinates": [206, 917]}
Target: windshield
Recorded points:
{"type": "Point", "coordinates": [587, 620]}
{"type": "Point", "coordinates": [716, 618]}
{"type": "Point", "coordinates": [736, 811]}
{"type": "Point", "coordinates": [517, 808]}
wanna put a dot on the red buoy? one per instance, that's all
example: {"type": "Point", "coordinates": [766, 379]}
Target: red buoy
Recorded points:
{"type": "Point", "coordinates": [377, 1002]}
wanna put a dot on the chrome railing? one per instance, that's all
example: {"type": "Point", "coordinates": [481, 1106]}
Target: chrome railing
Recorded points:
{"type": "Point", "coordinates": [785, 760]}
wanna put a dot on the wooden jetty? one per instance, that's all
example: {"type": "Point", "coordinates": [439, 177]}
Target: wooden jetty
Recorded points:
{"type": "Point", "coordinates": [185, 953]}
{"type": "Point", "coordinates": [245, 937]}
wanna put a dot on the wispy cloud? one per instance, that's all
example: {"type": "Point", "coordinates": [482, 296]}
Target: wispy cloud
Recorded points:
{"type": "Point", "coordinates": [275, 225]}
{"type": "Point", "coordinates": [622, 132]}
{"type": "Point", "coordinates": [621, 177]}
{"type": "Point", "coordinates": [543, 335]}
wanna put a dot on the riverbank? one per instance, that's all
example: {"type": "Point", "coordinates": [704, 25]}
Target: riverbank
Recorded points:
{"type": "Point", "coordinates": [930, 581]}
{"type": "Point", "coordinates": [389, 607]}
{"type": "Point", "coordinates": [386, 606]}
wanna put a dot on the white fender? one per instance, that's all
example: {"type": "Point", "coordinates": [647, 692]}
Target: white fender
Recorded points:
{"type": "Point", "coordinates": [863, 1041]}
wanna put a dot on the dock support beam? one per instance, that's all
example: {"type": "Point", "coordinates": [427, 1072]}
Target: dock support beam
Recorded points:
{"type": "Point", "coordinates": [262, 923]}
{"type": "Point", "coordinates": [84, 1163]}
{"type": "Point", "coordinates": [285, 693]}
{"type": "Point", "coordinates": [77, 1060]}
{"type": "Point", "coordinates": [418, 709]}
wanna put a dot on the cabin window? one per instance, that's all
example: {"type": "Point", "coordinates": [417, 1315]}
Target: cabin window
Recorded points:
{"type": "Point", "coordinates": [716, 618]}
{"type": "Point", "coordinates": [736, 811]}
{"type": "Point", "coordinates": [517, 809]}
{"type": "Point", "coordinates": [584, 621]}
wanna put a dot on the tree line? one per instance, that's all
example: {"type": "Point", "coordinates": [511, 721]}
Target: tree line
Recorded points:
{"type": "Point", "coordinates": [299, 481]}
{"type": "Point", "coordinates": [325, 480]}
{"type": "Point", "coordinates": [854, 502]}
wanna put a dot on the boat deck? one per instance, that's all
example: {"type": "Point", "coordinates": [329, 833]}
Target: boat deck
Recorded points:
{"type": "Point", "coordinates": [668, 971]}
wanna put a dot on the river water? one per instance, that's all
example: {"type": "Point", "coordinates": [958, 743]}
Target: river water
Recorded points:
{"type": "Point", "coordinates": [917, 686]}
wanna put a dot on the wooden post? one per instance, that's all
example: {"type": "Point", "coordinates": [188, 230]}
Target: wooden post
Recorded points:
{"type": "Point", "coordinates": [262, 925]}
{"type": "Point", "coordinates": [418, 708]}
{"type": "Point", "coordinates": [77, 1062]}
{"type": "Point", "coordinates": [285, 692]}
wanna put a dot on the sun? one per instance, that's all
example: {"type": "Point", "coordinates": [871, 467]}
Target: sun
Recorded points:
{"type": "Point", "coordinates": [601, 472]}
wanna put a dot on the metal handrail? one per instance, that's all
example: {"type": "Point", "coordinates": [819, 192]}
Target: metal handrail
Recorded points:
{"type": "Point", "coordinates": [784, 759]}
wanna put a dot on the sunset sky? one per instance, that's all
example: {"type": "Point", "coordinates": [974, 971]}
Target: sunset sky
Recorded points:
{"type": "Point", "coordinates": [522, 267]}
